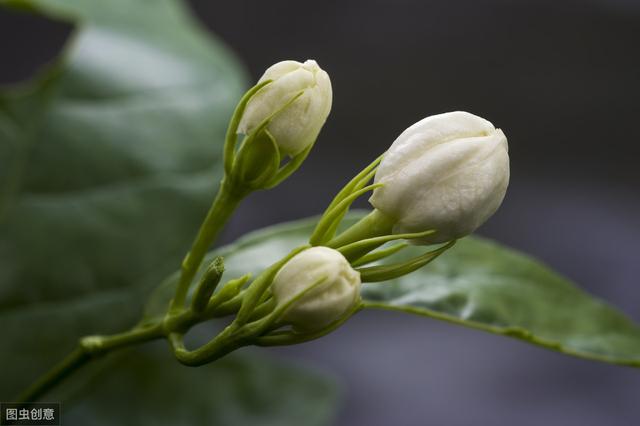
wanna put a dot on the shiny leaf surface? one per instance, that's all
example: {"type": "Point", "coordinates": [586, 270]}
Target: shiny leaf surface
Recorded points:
{"type": "Point", "coordinates": [480, 284]}
{"type": "Point", "coordinates": [108, 162]}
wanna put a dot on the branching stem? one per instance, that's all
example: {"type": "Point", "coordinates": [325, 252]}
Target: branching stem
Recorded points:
{"type": "Point", "coordinates": [223, 206]}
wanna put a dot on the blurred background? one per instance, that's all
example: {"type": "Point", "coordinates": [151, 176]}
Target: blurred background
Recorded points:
{"type": "Point", "coordinates": [561, 78]}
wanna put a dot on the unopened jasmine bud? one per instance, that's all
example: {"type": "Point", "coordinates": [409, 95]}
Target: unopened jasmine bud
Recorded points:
{"type": "Point", "coordinates": [321, 287]}
{"type": "Point", "coordinates": [448, 172]}
{"type": "Point", "coordinates": [298, 100]}
{"type": "Point", "coordinates": [207, 285]}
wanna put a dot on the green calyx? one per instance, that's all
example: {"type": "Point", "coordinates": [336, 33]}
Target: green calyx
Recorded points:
{"type": "Point", "coordinates": [257, 163]}
{"type": "Point", "coordinates": [357, 249]}
{"type": "Point", "coordinates": [379, 254]}
{"type": "Point", "coordinates": [339, 206]}
{"type": "Point", "coordinates": [231, 138]}
{"type": "Point", "coordinates": [396, 270]}
{"type": "Point", "coordinates": [256, 313]}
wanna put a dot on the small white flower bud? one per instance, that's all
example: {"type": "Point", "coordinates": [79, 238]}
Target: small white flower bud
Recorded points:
{"type": "Point", "coordinates": [447, 172]}
{"type": "Point", "coordinates": [297, 126]}
{"type": "Point", "coordinates": [330, 285]}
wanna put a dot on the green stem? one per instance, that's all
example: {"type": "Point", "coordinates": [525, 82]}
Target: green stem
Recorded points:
{"type": "Point", "coordinates": [93, 347]}
{"type": "Point", "coordinates": [220, 346]}
{"type": "Point", "coordinates": [223, 206]}
{"type": "Point", "coordinates": [65, 368]}
{"type": "Point", "coordinates": [89, 348]}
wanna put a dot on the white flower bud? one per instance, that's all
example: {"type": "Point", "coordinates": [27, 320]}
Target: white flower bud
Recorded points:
{"type": "Point", "coordinates": [330, 285]}
{"type": "Point", "coordinates": [447, 172]}
{"type": "Point", "coordinates": [297, 126]}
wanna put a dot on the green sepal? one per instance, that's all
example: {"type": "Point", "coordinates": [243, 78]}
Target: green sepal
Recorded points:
{"type": "Point", "coordinates": [292, 337]}
{"type": "Point", "coordinates": [232, 130]}
{"type": "Point", "coordinates": [263, 309]}
{"type": "Point", "coordinates": [257, 288]}
{"type": "Point", "coordinates": [355, 251]}
{"type": "Point", "coordinates": [290, 167]}
{"type": "Point", "coordinates": [374, 224]}
{"type": "Point", "coordinates": [331, 218]}
{"type": "Point", "coordinates": [396, 270]}
{"type": "Point", "coordinates": [228, 291]}
{"type": "Point", "coordinates": [358, 181]}
{"type": "Point", "coordinates": [257, 161]}
{"type": "Point", "coordinates": [379, 254]}
{"type": "Point", "coordinates": [330, 224]}
{"type": "Point", "coordinates": [274, 318]}
{"type": "Point", "coordinates": [234, 336]}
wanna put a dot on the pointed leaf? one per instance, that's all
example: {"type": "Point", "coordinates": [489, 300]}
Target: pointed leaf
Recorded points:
{"type": "Point", "coordinates": [480, 284]}
{"type": "Point", "coordinates": [107, 165]}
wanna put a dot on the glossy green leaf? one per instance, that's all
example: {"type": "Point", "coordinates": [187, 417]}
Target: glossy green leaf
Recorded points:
{"type": "Point", "coordinates": [480, 284]}
{"type": "Point", "coordinates": [113, 155]}
{"type": "Point", "coordinates": [108, 162]}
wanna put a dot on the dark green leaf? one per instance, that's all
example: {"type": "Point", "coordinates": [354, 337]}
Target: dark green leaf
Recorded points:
{"type": "Point", "coordinates": [483, 285]}
{"type": "Point", "coordinates": [149, 387]}
{"type": "Point", "coordinates": [113, 155]}
{"type": "Point", "coordinates": [478, 284]}
{"type": "Point", "coordinates": [107, 165]}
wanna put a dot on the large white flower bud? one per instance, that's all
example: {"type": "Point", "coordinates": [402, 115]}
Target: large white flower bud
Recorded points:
{"type": "Point", "coordinates": [447, 172]}
{"type": "Point", "coordinates": [330, 285]}
{"type": "Point", "coordinates": [298, 124]}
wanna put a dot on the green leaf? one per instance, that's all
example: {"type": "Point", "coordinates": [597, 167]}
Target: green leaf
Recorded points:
{"type": "Point", "coordinates": [149, 387]}
{"type": "Point", "coordinates": [480, 284]}
{"type": "Point", "coordinates": [113, 155]}
{"type": "Point", "coordinates": [108, 162]}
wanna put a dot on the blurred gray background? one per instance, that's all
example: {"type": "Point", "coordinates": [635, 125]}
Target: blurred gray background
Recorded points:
{"type": "Point", "coordinates": [561, 78]}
